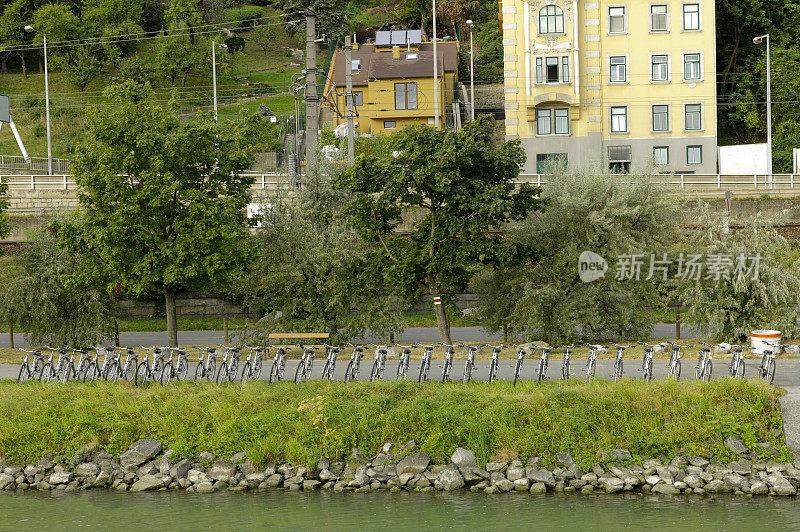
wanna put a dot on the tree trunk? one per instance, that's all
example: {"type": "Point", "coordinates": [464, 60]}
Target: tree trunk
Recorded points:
{"type": "Point", "coordinates": [505, 334]}
{"type": "Point", "coordinates": [116, 332]}
{"type": "Point", "coordinates": [172, 320]}
{"type": "Point", "coordinates": [41, 68]}
{"type": "Point", "coordinates": [441, 321]}
{"type": "Point", "coordinates": [11, 334]}
{"type": "Point", "coordinates": [4, 63]}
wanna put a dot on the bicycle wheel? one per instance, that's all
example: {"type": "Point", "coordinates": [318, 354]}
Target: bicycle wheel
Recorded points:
{"type": "Point", "coordinates": [348, 371]}
{"type": "Point", "coordinates": [47, 372]}
{"type": "Point", "coordinates": [618, 368]}
{"type": "Point", "coordinates": [542, 369]}
{"type": "Point", "coordinates": [112, 372]}
{"type": "Point", "coordinates": [222, 373]}
{"type": "Point", "coordinates": [69, 373]}
{"type": "Point", "coordinates": [325, 370]}
{"type": "Point", "coordinates": [245, 372]}
{"type": "Point", "coordinates": [770, 374]}
{"type": "Point", "coordinates": [142, 372]}
{"type": "Point", "coordinates": [446, 371]}
{"type": "Point", "coordinates": [130, 369]}
{"type": "Point", "coordinates": [300, 372]}
{"type": "Point", "coordinates": [209, 371]}
{"type": "Point", "coordinates": [92, 371]}
{"type": "Point", "coordinates": [374, 373]}
{"type": "Point", "coordinates": [24, 373]}
{"type": "Point", "coordinates": [273, 372]}
{"type": "Point", "coordinates": [590, 370]}
{"type": "Point", "coordinates": [256, 371]}
{"type": "Point", "coordinates": [707, 371]}
{"type": "Point", "coordinates": [167, 374]}
{"type": "Point", "coordinates": [649, 372]}
{"type": "Point", "coordinates": [158, 369]}
{"type": "Point", "coordinates": [199, 372]}
{"type": "Point", "coordinates": [740, 369]}
{"type": "Point", "coordinates": [517, 370]}
{"type": "Point", "coordinates": [698, 373]}
{"type": "Point", "coordinates": [467, 372]}
{"type": "Point", "coordinates": [565, 370]}
{"type": "Point", "coordinates": [183, 369]}
{"type": "Point", "coordinates": [492, 370]}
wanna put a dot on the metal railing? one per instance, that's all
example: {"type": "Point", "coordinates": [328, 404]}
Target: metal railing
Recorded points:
{"type": "Point", "coordinates": [703, 185]}
{"type": "Point", "coordinates": [18, 162]}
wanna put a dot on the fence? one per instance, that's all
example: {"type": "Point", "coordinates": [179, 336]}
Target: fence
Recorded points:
{"type": "Point", "coordinates": [17, 162]}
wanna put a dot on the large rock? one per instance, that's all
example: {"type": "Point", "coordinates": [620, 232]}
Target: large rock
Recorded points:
{"type": "Point", "coordinates": [665, 488]}
{"type": "Point", "coordinates": [61, 477]}
{"type": "Point", "coordinates": [613, 455]}
{"type": "Point", "coordinates": [5, 480]}
{"type": "Point", "coordinates": [414, 463]}
{"type": "Point", "coordinates": [140, 452]}
{"type": "Point", "coordinates": [736, 444]}
{"type": "Point", "coordinates": [611, 484]}
{"type": "Point", "coordinates": [222, 470]}
{"type": "Point", "coordinates": [464, 458]}
{"type": "Point", "coordinates": [717, 486]}
{"type": "Point", "coordinates": [147, 483]}
{"type": "Point", "coordinates": [451, 478]}
{"type": "Point", "coordinates": [540, 475]}
{"type": "Point", "coordinates": [180, 470]}
{"type": "Point", "coordinates": [88, 469]}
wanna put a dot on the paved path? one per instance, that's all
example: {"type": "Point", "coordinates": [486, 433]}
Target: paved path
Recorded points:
{"type": "Point", "coordinates": [411, 334]}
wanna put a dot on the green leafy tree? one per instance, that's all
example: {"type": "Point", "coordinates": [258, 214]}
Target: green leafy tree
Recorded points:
{"type": "Point", "coordinates": [312, 272]}
{"type": "Point", "coordinates": [162, 204]}
{"type": "Point", "coordinates": [177, 57]}
{"type": "Point", "coordinates": [447, 190]}
{"type": "Point", "coordinates": [758, 292]}
{"type": "Point", "coordinates": [60, 24]}
{"type": "Point", "coordinates": [82, 67]}
{"type": "Point", "coordinates": [498, 289]}
{"type": "Point", "coordinates": [588, 211]}
{"type": "Point", "coordinates": [44, 292]}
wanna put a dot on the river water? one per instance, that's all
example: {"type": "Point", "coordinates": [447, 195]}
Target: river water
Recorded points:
{"type": "Point", "coordinates": [104, 510]}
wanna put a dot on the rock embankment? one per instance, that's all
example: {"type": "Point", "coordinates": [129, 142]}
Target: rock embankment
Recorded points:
{"type": "Point", "coordinates": [146, 467]}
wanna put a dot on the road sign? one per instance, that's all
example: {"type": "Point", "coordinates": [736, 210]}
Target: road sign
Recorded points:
{"type": "Point", "coordinates": [5, 109]}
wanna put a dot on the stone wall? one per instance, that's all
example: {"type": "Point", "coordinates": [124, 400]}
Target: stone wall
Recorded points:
{"type": "Point", "coordinates": [188, 306]}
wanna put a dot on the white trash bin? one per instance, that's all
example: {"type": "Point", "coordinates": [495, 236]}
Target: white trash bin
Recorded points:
{"type": "Point", "coordinates": [762, 340]}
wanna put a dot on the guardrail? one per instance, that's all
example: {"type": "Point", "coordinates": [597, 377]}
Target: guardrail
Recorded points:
{"type": "Point", "coordinates": [17, 162]}
{"type": "Point", "coordinates": [704, 185]}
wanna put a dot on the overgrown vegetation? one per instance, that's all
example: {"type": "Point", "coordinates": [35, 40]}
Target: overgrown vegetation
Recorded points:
{"type": "Point", "coordinates": [302, 423]}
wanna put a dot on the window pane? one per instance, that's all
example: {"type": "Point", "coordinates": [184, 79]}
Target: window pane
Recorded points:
{"type": "Point", "coordinates": [619, 119]}
{"type": "Point", "coordinates": [399, 95]}
{"type": "Point", "coordinates": [658, 18]}
{"type": "Point", "coordinates": [562, 121]}
{"type": "Point", "coordinates": [565, 69]}
{"type": "Point", "coordinates": [539, 73]}
{"type": "Point", "coordinates": [411, 95]}
{"type": "Point", "coordinates": [691, 17]}
{"type": "Point", "coordinates": [661, 155]}
{"type": "Point", "coordinates": [543, 121]}
{"type": "Point", "coordinates": [551, 20]}
{"type": "Point", "coordinates": [693, 117]}
{"type": "Point", "coordinates": [694, 155]}
{"type": "Point", "coordinates": [618, 69]}
{"type": "Point", "coordinates": [691, 66]}
{"type": "Point", "coordinates": [660, 118]}
{"type": "Point", "coordinates": [388, 124]}
{"type": "Point", "coordinates": [660, 68]}
{"type": "Point", "coordinates": [552, 69]}
{"type": "Point", "coordinates": [616, 19]}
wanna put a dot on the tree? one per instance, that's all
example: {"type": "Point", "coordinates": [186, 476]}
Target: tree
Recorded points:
{"type": "Point", "coordinates": [264, 37]}
{"type": "Point", "coordinates": [588, 211]}
{"type": "Point", "coordinates": [82, 67]}
{"type": "Point", "coordinates": [498, 289]}
{"type": "Point", "coordinates": [5, 223]}
{"type": "Point", "coordinates": [448, 190]}
{"type": "Point", "coordinates": [162, 204]}
{"type": "Point", "coordinates": [760, 295]}
{"type": "Point", "coordinates": [177, 57]}
{"type": "Point", "coordinates": [312, 272]}
{"type": "Point", "coordinates": [46, 294]}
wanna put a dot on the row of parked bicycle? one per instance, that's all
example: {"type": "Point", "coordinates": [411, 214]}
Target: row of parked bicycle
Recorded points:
{"type": "Point", "coordinates": [167, 364]}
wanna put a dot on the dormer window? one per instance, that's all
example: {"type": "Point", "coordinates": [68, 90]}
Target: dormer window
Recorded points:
{"type": "Point", "coordinates": [355, 64]}
{"type": "Point", "coordinates": [551, 19]}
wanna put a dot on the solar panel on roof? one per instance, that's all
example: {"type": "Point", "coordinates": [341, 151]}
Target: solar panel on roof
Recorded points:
{"type": "Point", "coordinates": [383, 38]}
{"type": "Point", "coordinates": [414, 36]}
{"type": "Point", "coordinates": [398, 37]}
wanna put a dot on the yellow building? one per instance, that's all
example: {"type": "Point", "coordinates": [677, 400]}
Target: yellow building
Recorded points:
{"type": "Point", "coordinates": [393, 84]}
{"type": "Point", "coordinates": [630, 85]}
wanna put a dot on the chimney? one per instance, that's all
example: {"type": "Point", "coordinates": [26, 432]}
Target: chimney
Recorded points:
{"type": "Point", "coordinates": [355, 42]}
{"type": "Point", "coordinates": [395, 52]}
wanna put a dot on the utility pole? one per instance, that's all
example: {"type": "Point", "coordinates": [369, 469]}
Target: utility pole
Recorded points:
{"type": "Point", "coordinates": [312, 100]}
{"type": "Point", "coordinates": [348, 71]}
{"type": "Point", "coordinates": [435, 74]}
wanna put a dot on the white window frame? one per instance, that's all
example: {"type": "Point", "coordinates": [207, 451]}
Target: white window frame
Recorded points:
{"type": "Point", "coordinates": [669, 117]}
{"type": "Point", "coordinates": [650, 17]}
{"type": "Point", "coordinates": [624, 19]}
{"type": "Point", "coordinates": [389, 122]}
{"type": "Point", "coordinates": [669, 67]}
{"type": "Point", "coordinates": [559, 13]}
{"type": "Point", "coordinates": [655, 159]}
{"type": "Point", "coordinates": [699, 16]}
{"type": "Point", "coordinates": [627, 119]}
{"type": "Point", "coordinates": [627, 69]}
{"type": "Point", "coordinates": [702, 118]}
{"type": "Point", "coordinates": [683, 66]}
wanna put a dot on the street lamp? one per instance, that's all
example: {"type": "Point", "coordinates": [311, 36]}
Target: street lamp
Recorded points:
{"type": "Point", "coordinates": [471, 74]}
{"type": "Point", "coordinates": [222, 46]}
{"type": "Point", "coordinates": [31, 29]}
{"type": "Point", "coordinates": [759, 40]}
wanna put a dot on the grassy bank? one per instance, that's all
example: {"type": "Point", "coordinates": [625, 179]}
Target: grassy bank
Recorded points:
{"type": "Point", "coordinates": [300, 423]}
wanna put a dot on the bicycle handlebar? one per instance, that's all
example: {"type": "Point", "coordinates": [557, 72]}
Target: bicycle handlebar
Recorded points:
{"type": "Point", "coordinates": [623, 346]}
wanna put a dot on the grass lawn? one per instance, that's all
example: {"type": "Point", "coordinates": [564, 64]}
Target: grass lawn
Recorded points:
{"type": "Point", "coordinates": [303, 422]}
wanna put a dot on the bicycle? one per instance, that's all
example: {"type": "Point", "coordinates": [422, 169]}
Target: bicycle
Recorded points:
{"type": "Point", "coordinates": [544, 361]}
{"type": "Point", "coordinates": [521, 352]}
{"type": "Point", "coordinates": [305, 366]}
{"type": "Point", "coordinates": [766, 370]}
{"type": "Point", "coordinates": [229, 365]}
{"type": "Point", "coordinates": [30, 369]}
{"type": "Point", "coordinates": [647, 361]}
{"type": "Point", "coordinates": [278, 368]}
{"type": "Point", "coordinates": [448, 361]}
{"type": "Point", "coordinates": [149, 371]}
{"type": "Point", "coordinates": [674, 364]}
{"type": "Point", "coordinates": [93, 368]}
{"type": "Point", "coordinates": [495, 362]}
{"type": "Point", "coordinates": [52, 371]}
{"type": "Point", "coordinates": [565, 371]}
{"type": "Point", "coordinates": [736, 367]}
{"type": "Point", "coordinates": [379, 365]}
{"type": "Point", "coordinates": [472, 351]}
{"type": "Point", "coordinates": [704, 364]}
{"type": "Point", "coordinates": [354, 365]}
{"type": "Point", "coordinates": [252, 366]}
{"type": "Point", "coordinates": [405, 360]}
{"type": "Point", "coordinates": [591, 360]}
{"type": "Point", "coordinates": [329, 368]}
{"type": "Point", "coordinates": [616, 371]}
{"type": "Point", "coordinates": [175, 371]}
{"type": "Point", "coordinates": [205, 368]}
{"type": "Point", "coordinates": [79, 371]}
{"type": "Point", "coordinates": [425, 363]}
